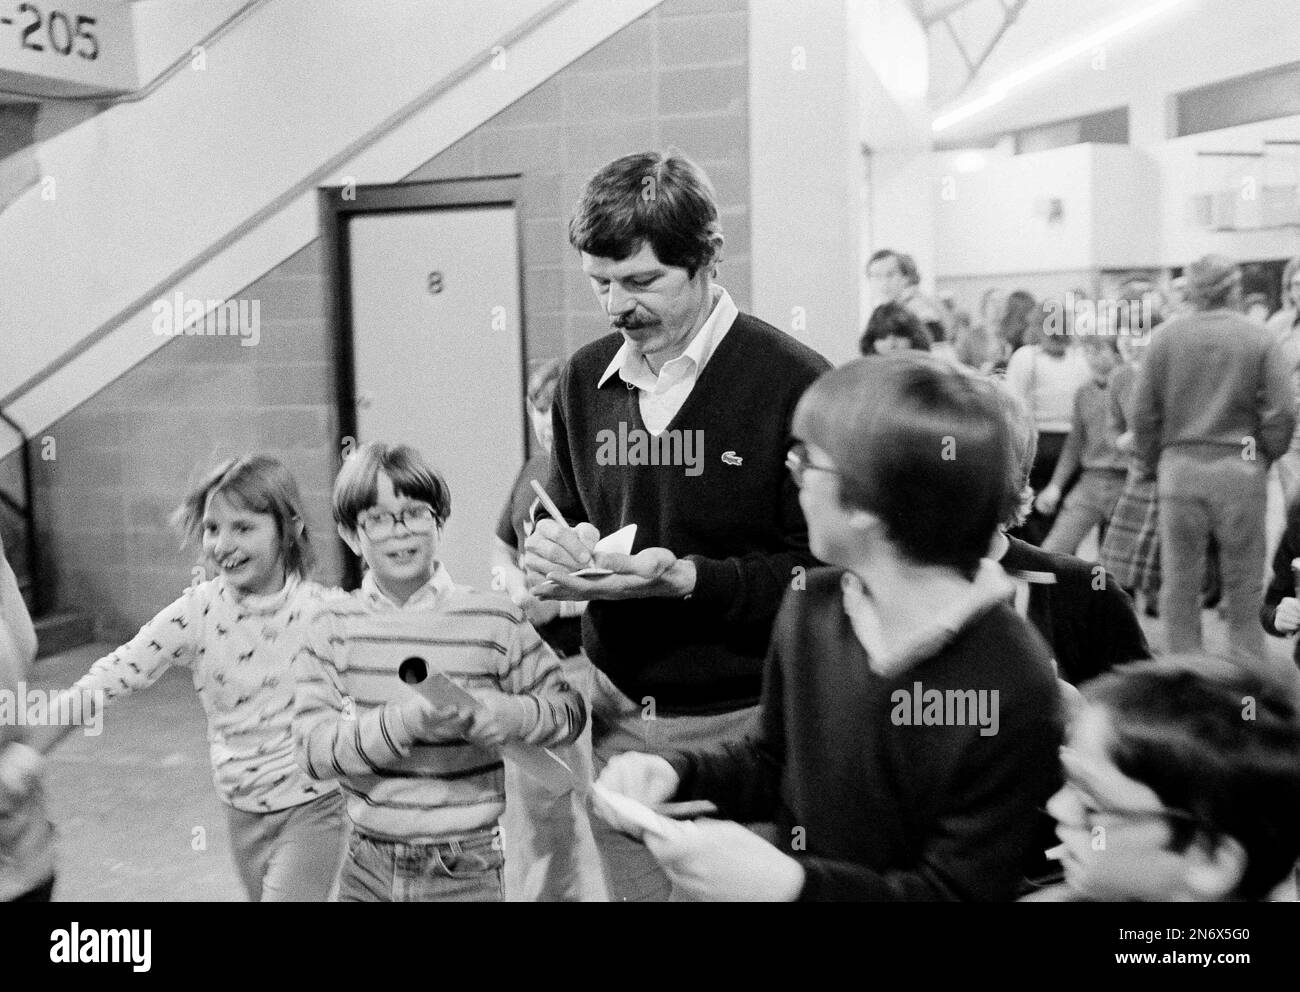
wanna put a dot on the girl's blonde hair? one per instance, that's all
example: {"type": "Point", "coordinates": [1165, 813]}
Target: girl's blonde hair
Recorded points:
{"type": "Point", "coordinates": [259, 484]}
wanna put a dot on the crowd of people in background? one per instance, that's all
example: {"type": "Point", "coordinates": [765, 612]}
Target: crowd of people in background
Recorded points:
{"type": "Point", "coordinates": [1079, 384]}
{"type": "Point", "coordinates": [856, 658]}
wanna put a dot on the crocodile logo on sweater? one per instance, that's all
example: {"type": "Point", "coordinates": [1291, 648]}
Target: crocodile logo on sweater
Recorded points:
{"type": "Point", "coordinates": [731, 458]}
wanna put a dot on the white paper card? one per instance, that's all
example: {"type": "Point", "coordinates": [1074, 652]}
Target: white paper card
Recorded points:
{"type": "Point", "coordinates": [619, 542]}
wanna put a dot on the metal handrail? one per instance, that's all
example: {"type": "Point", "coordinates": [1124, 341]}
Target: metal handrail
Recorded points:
{"type": "Point", "coordinates": [28, 512]}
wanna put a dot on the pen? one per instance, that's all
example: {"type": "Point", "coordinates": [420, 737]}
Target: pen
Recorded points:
{"type": "Point", "coordinates": [549, 503]}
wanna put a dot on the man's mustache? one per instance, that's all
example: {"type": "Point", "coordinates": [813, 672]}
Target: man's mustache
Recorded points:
{"type": "Point", "coordinates": [629, 323]}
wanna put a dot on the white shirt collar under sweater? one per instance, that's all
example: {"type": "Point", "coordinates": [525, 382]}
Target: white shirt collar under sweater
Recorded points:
{"type": "Point", "coordinates": [662, 395]}
{"type": "Point", "coordinates": [428, 595]}
{"type": "Point", "coordinates": [890, 658]}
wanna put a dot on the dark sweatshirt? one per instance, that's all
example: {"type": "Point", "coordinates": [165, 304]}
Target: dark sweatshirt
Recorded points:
{"type": "Point", "coordinates": [1084, 614]}
{"type": "Point", "coordinates": [886, 811]}
{"type": "Point", "coordinates": [734, 512]}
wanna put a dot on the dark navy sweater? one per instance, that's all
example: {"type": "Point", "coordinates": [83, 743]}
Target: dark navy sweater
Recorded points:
{"type": "Point", "coordinates": [882, 811]}
{"type": "Point", "coordinates": [734, 512]}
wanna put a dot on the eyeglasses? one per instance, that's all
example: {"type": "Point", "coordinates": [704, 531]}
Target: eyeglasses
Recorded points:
{"type": "Point", "coordinates": [798, 464]}
{"type": "Point", "coordinates": [1089, 812]}
{"type": "Point", "coordinates": [379, 524]}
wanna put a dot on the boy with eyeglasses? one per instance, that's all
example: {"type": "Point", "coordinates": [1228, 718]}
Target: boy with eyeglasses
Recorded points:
{"type": "Point", "coordinates": [1182, 783]}
{"type": "Point", "coordinates": [424, 784]}
{"type": "Point", "coordinates": [910, 719]}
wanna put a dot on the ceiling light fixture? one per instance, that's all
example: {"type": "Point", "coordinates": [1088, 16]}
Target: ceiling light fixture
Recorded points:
{"type": "Point", "coordinates": [998, 90]}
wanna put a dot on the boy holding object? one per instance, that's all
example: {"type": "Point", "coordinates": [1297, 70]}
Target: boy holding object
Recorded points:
{"type": "Point", "coordinates": [424, 784]}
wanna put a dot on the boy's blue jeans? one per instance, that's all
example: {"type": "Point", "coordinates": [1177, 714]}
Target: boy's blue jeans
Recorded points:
{"type": "Point", "coordinates": [467, 869]}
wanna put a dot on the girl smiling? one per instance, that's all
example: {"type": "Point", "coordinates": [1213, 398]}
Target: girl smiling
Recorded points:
{"type": "Point", "coordinates": [237, 633]}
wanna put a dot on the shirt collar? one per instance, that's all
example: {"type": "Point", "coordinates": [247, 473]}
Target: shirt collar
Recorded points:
{"type": "Point", "coordinates": [631, 367]}
{"type": "Point", "coordinates": [438, 586]}
{"type": "Point", "coordinates": [889, 658]}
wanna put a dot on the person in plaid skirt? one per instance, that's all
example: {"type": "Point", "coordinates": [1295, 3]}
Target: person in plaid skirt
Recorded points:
{"type": "Point", "coordinates": [1131, 548]}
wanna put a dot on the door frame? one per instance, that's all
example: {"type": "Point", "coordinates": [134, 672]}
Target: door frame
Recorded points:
{"type": "Point", "coordinates": [336, 206]}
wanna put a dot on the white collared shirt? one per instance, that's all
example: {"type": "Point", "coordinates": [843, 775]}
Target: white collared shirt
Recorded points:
{"type": "Point", "coordinates": [662, 395]}
{"type": "Point", "coordinates": [887, 659]}
{"type": "Point", "coordinates": [428, 595]}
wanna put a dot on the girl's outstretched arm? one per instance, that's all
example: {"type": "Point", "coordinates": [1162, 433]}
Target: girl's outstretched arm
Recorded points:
{"type": "Point", "coordinates": [170, 638]}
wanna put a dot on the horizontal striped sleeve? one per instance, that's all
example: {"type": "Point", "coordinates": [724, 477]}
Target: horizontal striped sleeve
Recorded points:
{"type": "Point", "coordinates": [333, 737]}
{"type": "Point", "coordinates": [532, 670]}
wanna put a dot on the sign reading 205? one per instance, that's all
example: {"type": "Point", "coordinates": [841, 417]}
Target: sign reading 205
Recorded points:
{"type": "Point", "coordinates": [54, 31]}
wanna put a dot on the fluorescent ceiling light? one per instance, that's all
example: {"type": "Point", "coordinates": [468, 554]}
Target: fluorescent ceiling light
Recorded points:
{"type": "Point", "coordinates": [998, 90]}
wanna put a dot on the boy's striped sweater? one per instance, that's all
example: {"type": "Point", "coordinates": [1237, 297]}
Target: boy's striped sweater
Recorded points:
{"type": "Point", "coordinates": [348, 724]}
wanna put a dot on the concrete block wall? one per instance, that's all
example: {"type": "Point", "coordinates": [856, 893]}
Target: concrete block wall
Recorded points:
{"type": "Point", "coordinates": [125, 458]}
{"type": "Point", "coordinates": [677, 77]}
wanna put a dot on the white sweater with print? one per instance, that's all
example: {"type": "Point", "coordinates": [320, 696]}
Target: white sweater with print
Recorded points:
{"type": "Point", "coordinates": [238, 650]}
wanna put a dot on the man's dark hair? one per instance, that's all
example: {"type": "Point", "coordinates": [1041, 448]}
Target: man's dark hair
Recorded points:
{"type": "Point", "coordinates": [893, 320]}
{"type": "Point", "coordinates": [663, 198]}
{"type": "Point", "coordinates": [1217, 742]}
{"type": "Point", "coordinates": [906, 264]}
{"type": "Point", "coordinates": [919, 443]}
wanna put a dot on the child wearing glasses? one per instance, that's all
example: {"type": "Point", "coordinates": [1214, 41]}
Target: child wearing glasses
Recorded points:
{"type": "Point", "coordinates": [237, 633]}
{"type": "Point", "coordinates": [910, 719]}
{"type": "Point", "coordinates": [1182, 783]}
{"type": "Point", "coordinates": [424, 784]}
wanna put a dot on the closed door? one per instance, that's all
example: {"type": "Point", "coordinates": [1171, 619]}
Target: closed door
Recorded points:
{"type": "Point", "coordinates": [437, 356]}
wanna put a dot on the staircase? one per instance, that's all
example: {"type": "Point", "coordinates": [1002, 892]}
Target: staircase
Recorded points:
{"type": "Point", "coordinates": [74, 195]}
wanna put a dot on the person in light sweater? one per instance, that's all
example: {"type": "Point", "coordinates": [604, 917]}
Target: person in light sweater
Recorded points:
{"type": "Point", "coordinates": [1046, 373]}
{"type": "Point", "coordinates": [1091, 450]}
{"type": "Point", "coordinates": [1213, 409]}
{"type": "Point", "coordinates": [237, 633]}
